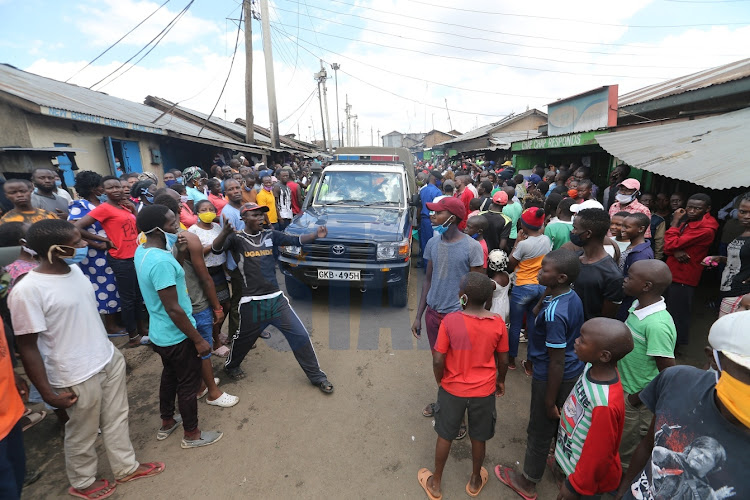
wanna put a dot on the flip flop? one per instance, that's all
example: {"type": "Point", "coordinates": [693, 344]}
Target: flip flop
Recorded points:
{"type": "Point", "coordinates": [429, 412]}
{"type": "Point", "coordinates": [502, 474]}
{"type": "Point", "coordinates": [528, 369]}
{"type": "Point", "coordinates": [32, 419]}
{"type": "Point", "coordinates": [154, 468]}
{"type": "Point", "coordinates": [77, 493]}
{"type": "Point", "coordinates": [461, 432]}
{"type": "Point", "coordinates": [224, 401]}
{"type": "Point", "coordinates": [422, 476]}
{"type": "Point", "coordinates": [485, 476]}
{"type": "Point", "coordinates": [165, 433]}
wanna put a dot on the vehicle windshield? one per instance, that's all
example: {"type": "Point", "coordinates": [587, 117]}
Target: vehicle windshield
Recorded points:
{"type": "Point", "coordinates": [360, 188]}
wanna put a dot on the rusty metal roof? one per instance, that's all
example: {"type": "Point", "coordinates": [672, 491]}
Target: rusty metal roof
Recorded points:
{"type": "Point", "coordinates": [702, 79]}
{"type": "Point", "coordinates": [488, 129]}
{"type": "Point", "coordinates": [50, 97]}
{"type": "Point", "coordinates": [710, 152]}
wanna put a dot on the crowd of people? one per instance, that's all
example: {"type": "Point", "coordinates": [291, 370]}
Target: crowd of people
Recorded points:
{"type": "Point", "coordinates": [599, 284]}
{"type": "Point", "coordinates": [163, 265]}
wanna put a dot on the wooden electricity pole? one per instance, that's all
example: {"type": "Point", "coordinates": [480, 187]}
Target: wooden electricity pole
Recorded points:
{"type": "Point", "coordinates": [273, 116]}
{"type": "Point", "coordinates": [247, 14]}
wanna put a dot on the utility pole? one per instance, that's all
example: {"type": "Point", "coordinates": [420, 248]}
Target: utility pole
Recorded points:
{"type": "Point", "coordinates": [320, 77]}
{"type": "Point", "coordinates": [248, 15]}
{"type": "Point", "coordinates": [449, 114]}
{"type": "Point", "coordinates": [324, 77]}
{"type": "Point", "coordinates": [356, 131]}
{"type": "Point", "coordinates": [335, 67]}
{"type": "Point", "coordinates": [371, 141]}
{"type": "Point", "coordinates": [270, 82]}
{"type": "Point", "coordinates": [348, 110]}
{"type": "Point", "coordinates": [379, 144]}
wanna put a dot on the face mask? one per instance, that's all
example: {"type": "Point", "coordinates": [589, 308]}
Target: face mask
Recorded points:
{"type": "Point", "coordinates": [577, 240]}
{"type": "Point", "coordinates": [268, 188]}
{"type": "Point", "coordinates": [625, 198]}
{"type": "Point", "coordinates": [28, 250]}
{"type": "Point", "coordinates": [733, 394]}
{"type": "Point", "coordinates": [573, 193]}
{"type": "Point", "coordinates": [170, 237]}
{"type": "Point", "coordinates": [475, 236]}
{"type": "Point", "coordinates": [78, 256]}
{"type": "Point", "coordinates": [178, 180]}
{"type": "Point", "coordinates": [170, 182]}
{"type": "Point", "coordinates": [58, 183]}
{"type": "Point", "coordinates": [150, 199]}
{"type": "Point", "coordinates": [183, 199]}
{"type": "Point", "coordinates": [117, 164]}
{"type": "Point", "coordinates": [102, 198]}
{"type": "Point", "coordinates": [207, 217]}
{"type": "Point", "coordinates": [441, 229]}
{"type": "Point", "coordinates": [463, 300]}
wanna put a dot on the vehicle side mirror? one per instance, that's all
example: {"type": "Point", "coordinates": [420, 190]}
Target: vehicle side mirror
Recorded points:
{"type": "Point", "coordinates": [415, 202]}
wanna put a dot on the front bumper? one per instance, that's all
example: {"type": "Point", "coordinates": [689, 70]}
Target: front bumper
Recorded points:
{"type": "Point", "coordinates": [375, 275]}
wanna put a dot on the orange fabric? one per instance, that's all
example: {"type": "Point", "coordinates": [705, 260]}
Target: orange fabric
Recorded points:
{"type": "Point", "coordinates": [249, 196]}
{"type": "Point", "coordinates": [527, 271]}
{"type": "Point", "coordinates": [35, 215]}
{"type": "Point", "coordinates": [266, 199]}
{"type": "Point", "coordinates": [11, 406]}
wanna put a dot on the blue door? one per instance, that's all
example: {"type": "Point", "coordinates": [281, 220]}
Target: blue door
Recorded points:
{"type": "Point", "coordinates": [65, 166]}
{"type": "Point", "coordinates": [131, 157]}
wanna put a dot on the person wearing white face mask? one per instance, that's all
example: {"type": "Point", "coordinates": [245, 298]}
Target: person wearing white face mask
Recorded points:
{"type": "Point", "coordinates": [626, 200]}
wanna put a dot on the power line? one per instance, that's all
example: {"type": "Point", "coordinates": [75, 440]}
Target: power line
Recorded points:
{"type": "Point", "coordinates": [298, 107]}
{"type": "Point", "coordinates": [231, 64]}
{"type": "Point", "coordinates": [501, 42]}
{"type": "Point", "coordinates": [161, 34]}
{"type": "Point", "coordinates": [473, 28]}
{"type": "Point", "coordinates": [118, 41]}
{"type": "Point", "coordinates": [549, 59]}
{"type": "Point", "coordinates": [291, 129]}
{"type": "Point", "coordinates": [489, 62]}
{"type": "Point", "coordinates": [389, 91]}
{"type": "Point", "coordinates": [569, 20]}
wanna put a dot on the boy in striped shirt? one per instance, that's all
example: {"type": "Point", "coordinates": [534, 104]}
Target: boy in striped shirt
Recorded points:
{"type": "Point", "coordinates": [593, 416]}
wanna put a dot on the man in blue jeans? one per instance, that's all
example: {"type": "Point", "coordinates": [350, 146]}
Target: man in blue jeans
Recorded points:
{"type": "Point", "coordinates": [263, 303]}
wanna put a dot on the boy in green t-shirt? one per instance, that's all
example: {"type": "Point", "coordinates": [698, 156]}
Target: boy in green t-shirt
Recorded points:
{"type": "Point", "coordinates": [654, 337]}
{"type": "Point", "coordinates": [559, 227]}
{"type": "Point", "coordinates": [513, 210]}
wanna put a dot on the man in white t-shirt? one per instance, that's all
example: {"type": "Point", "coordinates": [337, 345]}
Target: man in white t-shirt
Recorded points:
{"type": "Point", "coordinates": [68, 357]}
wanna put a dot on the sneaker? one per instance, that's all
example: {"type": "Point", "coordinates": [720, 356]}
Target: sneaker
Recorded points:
{"type": "Point", "coordinates": [207, 438]}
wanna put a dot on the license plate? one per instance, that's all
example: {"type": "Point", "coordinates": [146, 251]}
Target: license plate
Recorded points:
{"type": "Point", "coordinates": [330, 274]}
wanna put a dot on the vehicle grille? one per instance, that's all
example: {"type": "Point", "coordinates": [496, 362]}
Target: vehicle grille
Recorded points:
{"type": "Point", "coordinates": [352, 252]}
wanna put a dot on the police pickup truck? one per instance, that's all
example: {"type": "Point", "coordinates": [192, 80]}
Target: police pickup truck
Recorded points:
{"type": "Point", "coordinates": [366, 199]}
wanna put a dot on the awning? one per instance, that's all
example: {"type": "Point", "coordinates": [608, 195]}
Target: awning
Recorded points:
{"type": "Point", "coordinates": [710, 152]}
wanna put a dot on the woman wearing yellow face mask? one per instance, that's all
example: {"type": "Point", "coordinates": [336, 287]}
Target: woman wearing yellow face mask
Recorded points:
{"type": "Point", "coordinates": [698, 443]}
{"type": "Point", "coordinates": [207, 229]}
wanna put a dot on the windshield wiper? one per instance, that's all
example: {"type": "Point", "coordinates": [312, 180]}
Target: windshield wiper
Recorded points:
{"type": "Point", "coordinates": [373, 203]}
{"type": "Point", "coordinates": [339, 202]}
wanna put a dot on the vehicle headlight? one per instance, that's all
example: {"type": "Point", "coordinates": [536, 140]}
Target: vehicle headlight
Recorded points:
{"type": "Point", "coordinates": [395, 250]}
{"type": "Point", "coordinates": [292, 250]}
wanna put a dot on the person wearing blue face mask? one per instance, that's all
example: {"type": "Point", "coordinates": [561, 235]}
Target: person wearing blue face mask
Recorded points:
{"type": "Point", "coordinates": [143, 191]}
{"type": "Point", "coordinates": [450, 255]}
{"type": "Point", "coordinates": [94, 264]}
{"type": "Point", "coordinates": [173, 329]}
{"type": "Point", "coordinates": [67, 356]}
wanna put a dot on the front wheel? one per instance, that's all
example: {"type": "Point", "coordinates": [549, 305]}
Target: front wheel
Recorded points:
{"type": "Point", "coordinates": [295, 288]}
{"type": "Point", "coordinates": [398, 294]}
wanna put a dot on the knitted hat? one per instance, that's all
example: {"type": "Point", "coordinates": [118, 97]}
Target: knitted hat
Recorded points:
{"type": "Point", "coordinates": [533, 218]}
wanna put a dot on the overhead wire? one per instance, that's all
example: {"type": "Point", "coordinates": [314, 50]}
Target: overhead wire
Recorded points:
{"type": "Point", "coordinates": [118, 41]}
{"type": "Point", "coordinates": [158, 38]}
{"type": "Point", "coordinates": [486, 39]}
{"type": "Point", "coordinates": [491, 63]}
{"type": "Point", "coordinates": [571, 20]}
{"type": "Point", "coordinates": [389, 91]}
{"type": "Point", "coordinates": [298, 107]}
{"type": "Point", "coordinates": [231, 64]}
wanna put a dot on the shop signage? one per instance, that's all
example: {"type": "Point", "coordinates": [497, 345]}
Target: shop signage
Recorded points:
{"type": "Point", "coordinates": [560, 141]}
{"type": "Point", "coordinates": [588, 111]}
{"type": "Point", "coordinates": [99, 120]}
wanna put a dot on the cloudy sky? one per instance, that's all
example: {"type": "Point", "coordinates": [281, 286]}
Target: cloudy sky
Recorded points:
{"type": "Point", "coordinates": [401, 60]}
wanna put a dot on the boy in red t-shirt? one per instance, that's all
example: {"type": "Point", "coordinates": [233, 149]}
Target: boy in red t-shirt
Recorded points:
{"type": "Point", "coordinates": [470, 361]}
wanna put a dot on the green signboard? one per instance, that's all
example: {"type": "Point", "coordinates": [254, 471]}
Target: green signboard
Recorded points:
{"type": "Point", "coordinates": [558, 141]}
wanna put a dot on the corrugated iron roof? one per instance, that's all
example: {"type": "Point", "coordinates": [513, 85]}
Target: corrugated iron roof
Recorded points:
{"type": "Point", "coordinates": [702, 79]}
{"type": "Point", "coordinates": [51, 95]}
{"type": "Point", "coordinates": [486, 129]}
{"type": "Point", "coordinates": [710, 152]}
{"type": "Point", "coordinates": [503, 140]}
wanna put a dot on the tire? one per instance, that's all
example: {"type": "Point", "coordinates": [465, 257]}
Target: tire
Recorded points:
{"type": "Point", "coordinates": [296, 289]}
{"type": "Point", "coordinates": [398, 294]}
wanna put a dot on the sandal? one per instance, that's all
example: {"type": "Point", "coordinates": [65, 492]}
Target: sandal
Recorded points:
{"type": "Point", "coordinates": [484, 475]}
{"type": "Point", "coordinates": [165, 433]}
{"type": "Point", "coordinates": [224, 401]}
{"type": "Point", "coordinates": [429, 410]}
{"type": "Point", "coordinates": [32, 419]}
{"type": "Point", "coordinates": [92, 494]}
{"type": "Point", "coordinates": [153, 468]}
{"type": "Point", "coordinates": [528, 369]}
{"type": "Point", "coordinates": [502, 474]}
{"type": "Point", "coordinates": [461, 432]}
{"type": "Point", "coordinates": [423, 476]}
{"type": "Point", "coordinates": [235, 373]}
{"type": "Point", "coordinates": [325, 386]}
{"type": "Point", "coordinates": [138, 341]}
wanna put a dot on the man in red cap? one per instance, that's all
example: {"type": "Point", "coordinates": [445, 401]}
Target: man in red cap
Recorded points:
{"type": "Point", "coordinates": [498, 230]}
{"type": "Point", "coordinates": [449, 256]}
{"type": "Point", "coordinates": [626, 200]}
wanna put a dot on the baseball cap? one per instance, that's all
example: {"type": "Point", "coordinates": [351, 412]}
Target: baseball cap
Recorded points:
{"type": "Point", "coordinates": [575, 208]}
{"type": "Point", "coordinates": [630, 184]}
{"type": "Point", "coordinates": [452, 205]}
{"type": "Point", "coordinates": [500, 198]}
{"type": "Point", "coordinates": [508, 164]}
{"type": "Point", "coordinates": [535, 179]}
{"type": "Point", "coordinates": [728, 334]}
{"type": "Point", "coordinates": [249, 207]}
{"type": "Point", "coordinates": [437, 175]}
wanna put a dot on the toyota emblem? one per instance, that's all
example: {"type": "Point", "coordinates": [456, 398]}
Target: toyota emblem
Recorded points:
{"type": "Point", "coordinates": [338, 249]}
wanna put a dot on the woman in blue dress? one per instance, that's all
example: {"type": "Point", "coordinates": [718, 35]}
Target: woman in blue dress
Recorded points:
{"type": "Point", "coordinates": [89, 188]}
